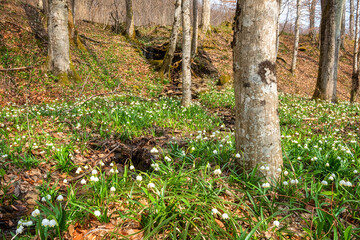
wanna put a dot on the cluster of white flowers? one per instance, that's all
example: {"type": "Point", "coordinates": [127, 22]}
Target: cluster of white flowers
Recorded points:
{"type": "Point", "coordinates": [294, 181]}
{"type": "Point", "coordinates": [155, 166]}
{"type": "Point", "coordinates": [168, 159]}
{"type": "Point", "coordinates": [324, 182]}
{"type": "Point", "coordinates": [151, 185]}
{"type": "Point", "coordinates": [154, 150]}
{"type": "Point", "coordinates": [48, 223]}
{"type": "Point", "coordinates": [215, 212]}
{"type": "Point", "coordinates": [94, 179]}
{"type": "Point", "coordinates": [139, 178]}
{"type": "Point", "coordinates": [345, 183]}
{"type": "Point", "coordinates": [217, 171]}
{"type": "Point", "coordinates": [266, 185]}
{"type": "Point", "coordinates": [43, 199]}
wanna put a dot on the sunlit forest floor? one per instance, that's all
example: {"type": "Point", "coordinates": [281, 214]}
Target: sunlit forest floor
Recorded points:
{"type": "Point", "coordinates": [117, 157]}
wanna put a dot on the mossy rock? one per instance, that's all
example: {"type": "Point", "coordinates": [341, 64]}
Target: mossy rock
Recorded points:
{"type": "Point", "coordinates": [223, 79]}
{"type": "Point", "coordinates": [302, 49]}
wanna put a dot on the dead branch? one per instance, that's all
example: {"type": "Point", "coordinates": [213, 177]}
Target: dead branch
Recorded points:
{"type": "Point", "coordinates": [15, 69]}
{"type": "Point", "coordinates": [93, 40]}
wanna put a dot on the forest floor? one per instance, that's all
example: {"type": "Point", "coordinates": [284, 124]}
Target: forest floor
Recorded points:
{"type": "Point", "coordinates": [131, 163]}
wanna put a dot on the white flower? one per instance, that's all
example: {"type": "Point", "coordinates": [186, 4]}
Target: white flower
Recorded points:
{"type": "Point", "coordinates": [112, 189]}
{"type": "Point", "coordinates": [94, 179]}
{"type": "Point", "coordinates": [342, 182]}
{"type": "Point", "coordinates": [192, 149]}
{"type": "Point", "coordinates": [276, 223]}
{"type": "Point", "coordinates": [294, 181]}
{"type": "Point", "coordinates": [168, 159]}
{"type": "Point", "coordinates": [131, 167]}
{"type": "Point", "coordinates": [112, 170]}
{"type": "Point", "coordinates": [52, 223]}
{"type": "Point", "coordinates": [349, 184]}
{"type": "Point", "coordinates": [262, 168]}
{"type": "Point", "coordinates": [94, 172]}
{"type": "Point", "coordinates": [19, 230]}
{"type": "Point", "coordinates": [217, 171]}
{"type": "Point", "coordinates": [43, 199]}
{"type": "Point", "coordinates": [83, 181]}
{"type": "Point", "coordinates": [48, 197]}
{"type": "Point", "coordinates": [45, 222]}
{"type": "Point", "coordinates": [237, 155]}
{"type": "Point", "coordinates": [35, 213]}
{"type": "Point", "coordinates": [139, 178]}
{"type": "Point", "coordinates": [265, 185]}
{"type": "Point", "coordinates": [79, 170]}
{"type": "Point", "coordinates": [286, 173]}
{"type": "Point", "coordinates": [214, 211]}
{"type": "Point", "coordinates": [331, 178]}
{"type": "Point", "coordinates": [60, 198]}
{"type": "Point", "coordinates": [355, 171]}
{"type": "Point", "coordinates": [278, 170]}
{"type": "Point", "coordinates": [324, 182]}
{"type": "Point", "coordinates": [225, 216]}
{"type": "Point", "coordinates": [327, 165]}
{"type": "Point", "coordinates": [65, 181]}
{"type": "Point", "coordinates": [215, 152]}
{"type": "Point", "coordinates": [102, 163]}
{"type": "Point", "coordinates": [28, 223]}
{"type": "Point", "coordinates": [285, 183]}
{"type": "Point", "coordinates": [86, 167]}
{"type": "Point", "coordinates": [97, 213]}
{"type": "Point", "coordinates": [154, 150]}
{"type": "Point", "coordinates": [267, 168]}
{"type": "Point", "coordinates": [111, 164]}
{"type": "Point", "coordinates": [151, 185]}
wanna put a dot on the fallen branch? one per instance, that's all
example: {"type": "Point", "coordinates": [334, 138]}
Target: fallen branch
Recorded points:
{"type": "Point", "coordinates": [15, 69]}
{"type": "Point", "coordinates": [93, 40]}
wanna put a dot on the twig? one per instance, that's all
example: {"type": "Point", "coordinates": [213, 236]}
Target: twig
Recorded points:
{"type": "Point", "coordinates": [95, 230]}
{"type": "Point", "coordinates": [15, 69]}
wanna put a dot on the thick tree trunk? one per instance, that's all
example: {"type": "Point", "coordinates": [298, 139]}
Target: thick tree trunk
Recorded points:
{"type": "Point", "coordinates": [351, 24]}
{"type": "Point", "coordinates": [312, 19]}
{"type": "Point", "coordinates": [165, 68]}
{"type": "Point", "coordinates": [194, 41]}
{"type": "Point", "coordinates": [297, 36]}
{"type": "Point", "coordinates": [329, 49]}
{"type": "Point", "coordinates": [205, 16]}
{"type": "Point", "coordinates": [186, 54]}
{"type": "Point", "coordinates": [130, 28]}
{"type": "Point", "coordinates": [257, 128]}
{"type": "Point", "coordinates": [59, 49]}
{"type": "Point", "coordinates": [355, 73]}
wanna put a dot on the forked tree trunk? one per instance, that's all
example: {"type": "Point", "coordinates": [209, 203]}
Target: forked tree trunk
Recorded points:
{"type": "Point", "coordinates": [355, 73]}
{"type": "Point", "coordinates": [351, 24]}
{"type": "Point", "coordinates": [194, 41]}
{"type": "Point", "coordinates": [165, 68]}
{"type": "Point", "coordinates": [329, 49]}
{"type": "Point", "coordinates": [297, 36]}
{"type": "Point", "coordinates": [186, 53]}
{"type": "Point", "coordinates": [130, 28]}
{"type": "Point", "coordinates": [257, 129]}
{"type": "Point", "coordinates": [205, 16]}
{"type": "Point", "coordinates": [59, 49]}
{"type": "Point", "coordinates": [312, 19]}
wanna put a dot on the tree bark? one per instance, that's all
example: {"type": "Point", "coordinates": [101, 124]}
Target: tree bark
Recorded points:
{"type": "Point", "coordinates": [351, 24]}
{"type": "Point", "coordinates": [278, 28]}
{"type": "Point", "coordinates": [355, 73]}
{"type": "Point", "coordinates": [165, 68]}
{"type": "Point", "coordinates": [342, 37]}
{"type": "Point", "coordinates": [205, 16]}
{"type": "Point", "coordinates": [257, 129]}
{"type": "Point", "coordinates": [59, 49]}
{"type": "Point", "coordinates": [297, 36]}
{"type": "Point", "coordinates": [130, 28]}
{"type": "Point", "coordinates": [186, 54]}
{"type": "Point", "coordinates": [329, 49]}
{"type": "Point", "coordinates": [312, 19]}
{"type": "Point", "coordinates": [194, 41]}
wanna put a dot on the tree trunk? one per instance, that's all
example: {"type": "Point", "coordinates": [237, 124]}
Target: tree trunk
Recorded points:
{"type": "Point", "coordinates": [186, 54]}
{"type": "Point", "coordinates": [297, 36]}
{"type": "Point", "coordinates": [312, 19]}
{"type": "Point", "coordinates": [165, 68]}
{"type": "Point", "coordinates": [351, 24]}
{"type": "Point", "coordinates": [205, 16]}
{"type": "Point", "coordinates": [257, 129]}
{"type": "Point", "coordinates": [195, 28]}
{"type": "Point", "coordinates": [329, 49]}
{"type": "Point", "coordinates": [342, 37]}
{"type": "Point", "coordinates": [59, 56]}
{"type": "Point", "coordinates": [355, 73]}
{"type": "Point", "coordinates": [130, 28]}
{"type": "Point", "coordinates": [72, 19]}
{"type": "Point", "coordinates": [278, 28]}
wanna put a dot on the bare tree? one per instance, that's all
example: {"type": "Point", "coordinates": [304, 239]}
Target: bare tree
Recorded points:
{"type": "Point", "coordinates": [165, 68]}
{"type": "Point", "coordinates": [186, 53]}
{"type": "Point", "coordinates": [297, 36]}
{"type": "Point", "coordinates": [205, 16]}
{"type": "Point", "coordinates": [355, 73]}
{"type": "Point", "coordinates": [59, 47]}
{"type": "Point", "coordinates": [257, 129]}
{"type": "Point", "coordinates": [329, 49]}
{"type": "Point", "coordinates": [130, 28]}
{"type": "Point", "coordinates": [351, 24]}
{"type": "Point", "coordinates": [342, 33]}
{"type": "Point", "coordinates": [312, 9]}
{"type": "Point", "coordinates": [194, 41]}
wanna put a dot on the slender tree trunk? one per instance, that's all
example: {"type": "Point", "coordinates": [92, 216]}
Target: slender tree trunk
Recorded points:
{"type": "Point", "coordinates": [355, 73]}
{"type": "Point", "coordinates": [312, 19]}
{"type": "Point", "coordinates": [329, 49]}
{"type": "Point", "coordinates": [72, 19]}
{"type": "Point", "coordinates": [186, 54]}
{"type": "Point", "coordinates": [297, 36]}
{"type": "Point", "coordinates": [278, 28]}
{"type": "Point", "coordinates": [194, 41]}
{"type": "Point", "coordinates": [130, 28]}
{"type": "Point", "coordinates": [257, 129]}
{"type": "Point", "coordinates": [205, 16]}
{"type": "Point", "coordinates": [59, 49]}
{"type": "Point", "coordinates": [165, 67]}
{"type": "Point", "coordinates": [351, 24]}
{"type": "Point", "coordinates": [342, 46]}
